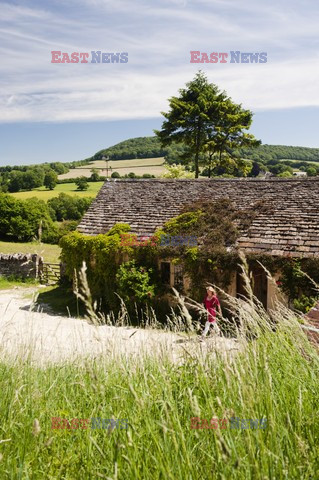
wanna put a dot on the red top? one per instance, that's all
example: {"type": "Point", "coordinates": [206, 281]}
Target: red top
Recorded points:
{"type": "Point", "coordinates": [211, 304]}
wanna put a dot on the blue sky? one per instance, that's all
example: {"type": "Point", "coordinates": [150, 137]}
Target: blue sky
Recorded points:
{"type": "Point", "coordinates": [67, 112]}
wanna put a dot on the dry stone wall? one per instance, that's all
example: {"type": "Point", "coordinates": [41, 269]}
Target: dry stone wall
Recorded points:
{"type": "Point", "coordinates": [21, 265]}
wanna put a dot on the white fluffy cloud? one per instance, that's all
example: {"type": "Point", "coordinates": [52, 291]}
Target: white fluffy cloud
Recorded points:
{"type": "Point", "coordinates": [158, 38]}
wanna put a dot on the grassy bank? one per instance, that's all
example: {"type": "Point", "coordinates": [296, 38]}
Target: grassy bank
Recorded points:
{"type": "Point", "coordinates": [275, 377]}
{"type": "Point", "coordinates": [8, 283]}
{"type": "Point", "coordinates": [50, 253]}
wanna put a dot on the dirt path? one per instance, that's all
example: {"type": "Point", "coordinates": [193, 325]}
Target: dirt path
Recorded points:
{"type": "Point", "coordinates": [50, 338]}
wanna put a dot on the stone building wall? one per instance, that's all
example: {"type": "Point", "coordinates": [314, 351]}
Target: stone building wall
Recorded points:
{"type": "Point", "coordinates": [21, 265]}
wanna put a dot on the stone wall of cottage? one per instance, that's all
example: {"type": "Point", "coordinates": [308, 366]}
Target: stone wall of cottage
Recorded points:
{"type": "Point", "coordinates": [21, 265]}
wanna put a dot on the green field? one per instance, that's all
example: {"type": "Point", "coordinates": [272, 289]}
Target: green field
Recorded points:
{"type": "Point", "coordinates": [50, 253]}
{"type": "Point", "coordinates": [69, 188]}
{"type": "Point", "coordinates": [139, 166]}
{"type": "Point", "coordinates": [295, 161]}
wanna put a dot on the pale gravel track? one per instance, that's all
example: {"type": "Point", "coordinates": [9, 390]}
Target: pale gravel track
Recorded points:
{"type": "Point", "coordinates": [50, 338]}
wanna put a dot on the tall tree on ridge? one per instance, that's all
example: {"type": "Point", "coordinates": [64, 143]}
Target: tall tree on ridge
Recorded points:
{"type": "Point", "coordinates": [207, 122]}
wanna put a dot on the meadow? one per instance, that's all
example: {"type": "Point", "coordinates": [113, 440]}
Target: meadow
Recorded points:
{"type": "Point", "coordinates": [273, 377]}
{"type": "Point", "coordinates": [70, 188]}
{"type": "Point", "coordinates": [139, 166]}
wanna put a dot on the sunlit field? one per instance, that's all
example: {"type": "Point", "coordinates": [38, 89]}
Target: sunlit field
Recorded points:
{"type": "Point", "coordinates": [139, 166]}
{"type": "Point", "coordinates": [69, 188]}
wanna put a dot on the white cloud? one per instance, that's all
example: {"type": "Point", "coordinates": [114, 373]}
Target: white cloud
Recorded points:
{"type": "Point", "coordinates": [158, 37]}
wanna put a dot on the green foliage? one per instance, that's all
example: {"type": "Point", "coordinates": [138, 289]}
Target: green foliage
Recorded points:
{"type": "Point", "coordinates": [149, 147]}
{"type": "Point", "coordinates": [266, 153]}
{"type": "Point", "coordinates": [274, 377]}
{"type": "Point", "coordinates": [115, 175]}
{"type": "Point", "coordinates": [50, 179]}
{"type": "Point", "coordinates": [81, 183]}
{"type": "Point", "coordinates": [140, 147]}
{"type": "Point", "coordinates": [16, 181]}
{"type": "Point", "coordinates": [59, 229]}
{"type": "Point", "coordinates": [67, 226]}
{"type": "Point", "coordinates": [280, 168]}
{"type": "Point", "coordinates": [13, 281]}
{"type": "Point", "coordinates": [133, 282]}
{"type": "Point", "coordinates": [32, 178]}
{"type": "Point", "coordinates": [312, 171]}
{"type": "Point", "coordinates": [207, 122]}
{"type": "Point", "coordinates": [299, 280]}
{"type": "Point", "coordinates": [184, 223]}
{"type": "Point", "coordinates": [177, 171]}
{"type": "Point", "coordinates": [33, 219]}
{"type": "Point", "coordinates": [285, 174]}
{"type": "Point", "coordinates": [95, 177]}
{"type": "Point", "coordinates": [304, 303]}
{"type": "Point", "coordinates": [24, 220]}
{"type": "Point", "coordinates": [102, 255]}
{"type": "Point", "coordinates": [67, 207]}
{"type": "Point", "coordinates": [59, 167]}
{"type": "Point", "coordinates": [256, 169]}
{"type": "Point", "coordinates": [216, 225]}
{"type": "Point", "coordinates": [177, 153]}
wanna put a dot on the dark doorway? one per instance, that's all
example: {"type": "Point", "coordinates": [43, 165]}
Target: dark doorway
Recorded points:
{"type": "Point", "coordinates": [259, 284]}
{"type": "Point", "coordinates": [166, 273]}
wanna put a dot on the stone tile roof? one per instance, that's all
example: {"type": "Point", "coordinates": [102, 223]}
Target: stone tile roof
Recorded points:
{"type": "Point", "coordinates": [290, 228]}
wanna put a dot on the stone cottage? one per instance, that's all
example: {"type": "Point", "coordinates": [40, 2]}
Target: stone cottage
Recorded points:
{"type": "Point", "coordinates": [289, 227]}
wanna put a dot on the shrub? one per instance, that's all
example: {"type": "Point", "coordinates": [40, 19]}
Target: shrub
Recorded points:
{"type": "Point", "coordinates": [67, 207]}
{"type": "Point", "coordinates": [95, 177]}
{"type": "Point", "coordinates": [148, 175]}
{"type": "Point", "coordinates": [50, 179]}
{"type": "Point", "coordinates": [82, 183]}
{"type": "Point", "coordinates": [133, 282]}
{"type": "Point", "coordinates": [102, 255]}
{"type": "Point", "coordinates": [24, 220]}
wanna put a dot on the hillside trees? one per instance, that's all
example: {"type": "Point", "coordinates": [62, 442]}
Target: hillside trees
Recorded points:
{"type": "Point", "coordinates": [30, 178]}
{"type": "Point", "coordinates": [140, 147]}
{"type": "Point", "coordinates": [147, 147]}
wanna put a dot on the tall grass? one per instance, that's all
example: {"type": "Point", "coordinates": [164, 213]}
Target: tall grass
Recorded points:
{"type": "Point", "coordinates": [273, 376]}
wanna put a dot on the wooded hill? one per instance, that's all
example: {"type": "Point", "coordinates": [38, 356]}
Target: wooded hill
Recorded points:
{"type": "Point", "coordinates": [149, 147]}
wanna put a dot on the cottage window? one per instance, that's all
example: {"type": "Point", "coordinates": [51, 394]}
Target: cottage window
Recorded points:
{"type": "Point", "coordinates": [178, 276]}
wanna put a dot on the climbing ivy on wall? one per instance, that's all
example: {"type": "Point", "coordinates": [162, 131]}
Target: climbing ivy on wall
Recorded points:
{"type": "Point", "coordinates": [216, 225]}
{"type": "Point", "coordinates": [102, 255]}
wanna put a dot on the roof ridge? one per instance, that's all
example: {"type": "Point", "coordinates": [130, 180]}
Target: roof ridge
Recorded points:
{"type": "Point", "coordinates": [215, 179]}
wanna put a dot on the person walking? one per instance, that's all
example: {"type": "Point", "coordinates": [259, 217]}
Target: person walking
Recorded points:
{"type": "Point", "coordinates": [212, 305]}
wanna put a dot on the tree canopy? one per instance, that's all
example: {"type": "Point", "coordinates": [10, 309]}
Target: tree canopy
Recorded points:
{"type": "Point", "coordinates": [208, 122]}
